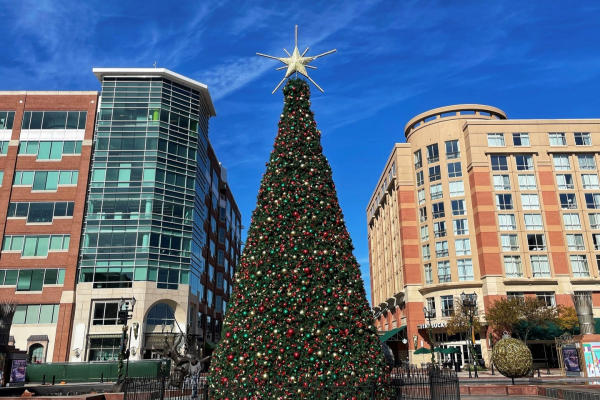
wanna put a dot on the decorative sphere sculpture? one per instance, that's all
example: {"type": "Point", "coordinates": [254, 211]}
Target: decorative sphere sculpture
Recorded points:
{"type": "Point", "coordinates": [512, 358]}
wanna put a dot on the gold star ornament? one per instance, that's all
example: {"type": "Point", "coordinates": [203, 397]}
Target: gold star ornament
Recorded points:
{"type": "Point", "coordinates": [296, 62]}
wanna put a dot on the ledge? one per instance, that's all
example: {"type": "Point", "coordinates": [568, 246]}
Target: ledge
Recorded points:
{"type": "Point", "coordinates": [449, 285]}
{"type": "Point", "coordinates": [530, 281]}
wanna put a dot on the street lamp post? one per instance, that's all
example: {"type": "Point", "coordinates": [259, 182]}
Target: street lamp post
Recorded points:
{"type": "Point", "coordinates": [469, 307]}
{"type": "Point", "coordinates": [125, 313]}
{"type": "Point", "coordinates": [430, 314]}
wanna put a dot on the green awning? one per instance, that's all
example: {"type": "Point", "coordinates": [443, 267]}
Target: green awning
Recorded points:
{"type": "Point", "coordinates": [422, 350]}
{"type": "Point", "coordinates": [390, 334]}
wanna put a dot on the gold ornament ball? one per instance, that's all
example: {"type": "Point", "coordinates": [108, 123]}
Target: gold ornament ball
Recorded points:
{"type": "Point", "coordinates": [512, 358]}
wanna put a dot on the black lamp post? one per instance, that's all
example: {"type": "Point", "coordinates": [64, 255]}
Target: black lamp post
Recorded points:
{"type": "Point", "coordinates": [469, 307]}
{"type": "Point", "coordinates": [125, 313]}
{"type": "Point", "coordinates": [430, 314]}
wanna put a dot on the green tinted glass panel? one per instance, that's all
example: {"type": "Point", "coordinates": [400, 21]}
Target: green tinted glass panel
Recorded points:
{"type": "Point", "coordinates": [78, 147]}
{"type": "Point", "coordinates": [42, 246]}
{"type": "Point", "coordinates": [32, 147]}
{"type": "Point", "coordinates": [66, 241]}
{"type": "Point", "coordinates": [11, 277]}
{"type": "Point", "coordinates": [17, 243]}
{"type": "Point", "coordinates": [19, 317]}
{"type": "Point", "coordinates": [37, 279]}
{"type": "Point", "coordinates": [33, 314]}
{"type": "Point", "coordinates": [149, 174]}
{"type": "Point", "coordinates": [99, 175]}
{"type": "Point", "coordinates": [2, 272]}
{"type": "Point", "coordinates": [56, 150]}
{"type": "Point", "coordinates": [30, 246]}
{"type": "Point", "coordinates": [46, 313]}
{"type": "Point", "coordinates": [22, 147]}
{"type": "Point", "coordinates": [55, 313]}
{"type": "Point", "coordinates": [72, 119]}
{"type": "Point", "coordinates": [1, 177]}
{"type": "Point", "coordinates": [140, 274]}
{"type": "Point", "coordinates": [40, 180]}
{"type": "Point", "coordinates": [69, 147]}
{"type": "Point", "coordinates": [51, 277]}
{"type": "Point", "coordinates": [56, 242]}
{"type": "Point", "coordinates": [61, 276]}
{"type": "Point", "coordinates": [52, 182]}
{"type": "Point", "coordinates": [24, 282]}
{"type": "Point", "coordinates": [27, 178]}
{"type": "Point", "coordinates": [6, 242]}
{"type": "Point", "coordinates": [44, 151]}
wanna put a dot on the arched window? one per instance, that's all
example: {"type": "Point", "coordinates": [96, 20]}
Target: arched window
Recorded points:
{"type": "Point", "coordinates": [160, 314]}
{"type": "Point", "coordinates": [36, 353]}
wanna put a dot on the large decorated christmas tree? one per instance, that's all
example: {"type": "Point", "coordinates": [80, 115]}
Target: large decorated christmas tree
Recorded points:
{"type": "Point", "coordinates": [298, 324]}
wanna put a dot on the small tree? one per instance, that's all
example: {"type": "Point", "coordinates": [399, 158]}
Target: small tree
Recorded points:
{"type": "Point", "coordinates": [459, 322]}
{"type": "Point", "coordinates": [567, 318]}
{"type": "Point", "coordinates": [527, 313]}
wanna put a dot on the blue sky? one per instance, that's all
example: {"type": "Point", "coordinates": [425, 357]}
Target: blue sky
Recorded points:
{"type": "Point", "coordinates": [533, 59]}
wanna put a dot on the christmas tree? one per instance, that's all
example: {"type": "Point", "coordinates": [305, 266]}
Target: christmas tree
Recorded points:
{"type": "Point", "coordinates": [299, 324]}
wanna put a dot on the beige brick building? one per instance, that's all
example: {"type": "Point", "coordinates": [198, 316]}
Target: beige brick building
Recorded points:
{"type": "Point", "coordinates": [475, 202]}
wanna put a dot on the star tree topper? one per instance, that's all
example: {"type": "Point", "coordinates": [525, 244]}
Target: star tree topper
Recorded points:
{"type": "Point", "coordinates": [296, 62]}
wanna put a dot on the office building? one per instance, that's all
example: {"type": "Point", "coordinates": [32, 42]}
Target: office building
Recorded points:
{"type": "Point", "coordinates": [161, 225]}
{"type": "Point", "coordinates": [45, 148]}
{"type": "Point", "coordinates": [478, 203]}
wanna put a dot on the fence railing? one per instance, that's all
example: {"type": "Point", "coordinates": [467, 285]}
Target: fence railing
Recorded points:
{"type": "Point", "coordinates": [402, 384]}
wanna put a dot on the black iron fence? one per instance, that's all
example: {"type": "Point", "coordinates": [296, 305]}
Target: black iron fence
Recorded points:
{"type": "Point", "coordinates": [403, 384]}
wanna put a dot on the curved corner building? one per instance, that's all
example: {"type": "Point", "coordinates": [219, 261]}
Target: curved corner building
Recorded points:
{"type": "Point", "coordinates": [475, 202]}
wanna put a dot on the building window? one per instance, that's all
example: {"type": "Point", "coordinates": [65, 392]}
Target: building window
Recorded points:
{"type": "Point", "coordinates": [579, 265]}
{"type": "Point", "coordinates": [458, 207]}
{"type": "Point", "coordinates": [530, 201]}
{"type": "Point", "coordinates": [583, 139]}
{"type": "Point", "coordinates": [49, 150]}
{"type": "Point", "coordinates": [105, 313]}
{"type": "Point", "coordinates": [38, 212]}
{"type": "Point", "coordinates": [575, 241]}
{"type": "Point", "coordinates": [499, 163]}
{"type": "Point", "coordinates": [420, 179]}
{"type": "Point", "coordinates": [527, 182]}
{"type": "Point", "coordinates": [422, 214]}
{"type": "Point", "coordinates": [596, 239]}
{"type": "Point", "coordinates": [594, 221]}
{"type": "Point", "coordinates": [104, 349]}
{"type": "Point", "coordinates": [572, 222]}
{"type": "Point", "coordinates": [438, 210]}
{"type": "Point", "coordinates": [457, 188]}
{"type": "Point", "coordinates": [567, 201]}
{"type": "Point", "coordinates": [536, 242]}
{"type": "Point", "coordinates": [433, 155]}
{"type": "Point", "coordinates": [524, 162]}
{"type": "Point", "coordinates": [45, 180]}
{"type": "Point", "coordinates": [35, 245]}
{"type": "Point", "coordinates": [564, 181]}
{"type": "Point", "coordinates": [533, 222]}
{"type": "Point", "coordinates": [161, 314]}
{"type": "Point", "coordinates": [461, 227]}
{"type": "Point", "coordinates": [590, 181]}
{"type": "Point", "coordinates": [418, 159]}
{"type": "Point", "coordinates": [557, 139]}
{"type": "Point", "coordinates": [36, 314]}
{"type": "Point", "coordinates": [439, 229]}
{"type": "Point", "coordinates": [509, 242]}
{"type": "Point", "coordinates": [463, 247]}
{"type": "Point", "coordinates": [6, 119]}
{"type": "Point", "coordinates": [561, 162]}
{"type": "Point", "coordinates": [434, 173]}
{"type": "Point", "coordinates": [515, 295]}
{"type": "Point", "coordinates": [540, 266]}
{"type": "Point", "coordinates": [426, 252]}
{"type": "Point", "coordinates": [507, 222]}
{"type": "Point", "coordinates": [592, 200]}
{"type": "Point", "coordinates": [424, 233]}
{"type": "Point", "coordinates": [54, 120]}
{"type": "Point", "coordinates": [504, 202]}
{"type": "Point", "coordinates": [547, 298]}
{"type": "Point", "coordinates": [512, 267]}
{"type": "Point", "coordinates": [447, 306]}
{"type": "Point", "coordinates": [495, 139]}
{"type": "Point", "coordinates": [436, 192]}
{"type": "Point", "coordinates": [431, 306]}
{"type": "Point", "coordinates": [586, 162]}
{"type": "Point", "coordinates": [501, 182]}
{"type": "Point", "coordinates": [521, 139]}
{"type": "Point", "coordinates": [421, 196]}
{"type": "Point", "coordinates": [428, 274]}
{"type": "Point", "coordinates": [454, 170]}
{"type": "Point", "coordinates": [444, 271]}
{"type": "Point", "coordinates": [441, 249]}
{"type": "Point", "coordinates": [465, 269]}
{"type": "Point", "coordinates": [452, 150]}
